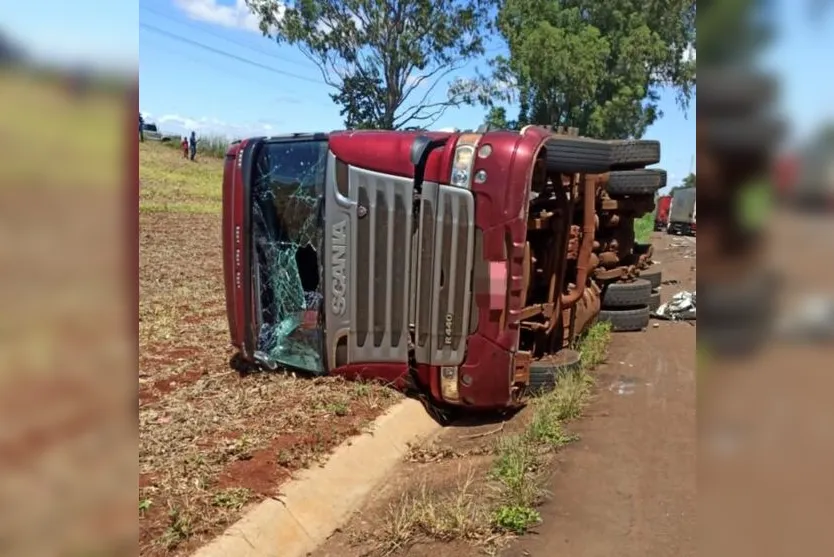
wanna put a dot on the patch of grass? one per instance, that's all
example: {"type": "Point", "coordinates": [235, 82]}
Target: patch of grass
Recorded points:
{"type": "Point", "coordinates": [207, 145]}
{"type": "Point", "coordinates": [232, 498]}
{"type": "Point", "coordinates": [593, 345]}
{"type": "Point", "coordinates": [178, 530]}
{"type": "Point", "coordinates": [516, 469]}
{"type": "Point", "coordinates": [339, 408]}
{"type": "Point", "coordinates": [434, 515]}
{"type": "Point", "coordinates": [643, 228]}
{"type": "Point", "coordinates": [516, 519]}
{"type": "Point", "coordinates": [173, 184]}
{"type": "Point", "coordinates": [516, 476]}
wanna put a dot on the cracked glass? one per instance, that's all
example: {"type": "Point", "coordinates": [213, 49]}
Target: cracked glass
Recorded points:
{"type": "Point", "coordinates": [287, 212]}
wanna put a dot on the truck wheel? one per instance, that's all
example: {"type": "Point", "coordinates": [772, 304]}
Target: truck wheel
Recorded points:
{"type": "Point", "coordinates": [568, 154]}
{"type": "Point", "coordinates": [622, 320]}
{"type": "Point", "coordinates": [654, 302]}
{"type": "Point", "coordinates": [626, 294]}
{"type": "Point", "coordinates": [654, 275]}
{"type": "Point", "coordinates": [635, 182]}
{"type": "Point", "coordinates": [545, 373]}
{"type": "Point", "coordinates": [629, 154]}
{"type": "Point", "coordinates": [731, 91]}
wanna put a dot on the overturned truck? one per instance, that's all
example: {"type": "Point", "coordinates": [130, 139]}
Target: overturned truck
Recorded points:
{"type": "Point", "coordinates": [458, 266]}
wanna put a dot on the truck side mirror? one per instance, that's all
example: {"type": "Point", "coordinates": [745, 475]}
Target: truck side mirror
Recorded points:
{"type": "Point", "coordinates": [420, 149]}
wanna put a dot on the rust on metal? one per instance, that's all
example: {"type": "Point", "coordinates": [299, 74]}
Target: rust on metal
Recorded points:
{"type": "Point", "coordinates": [582, 270]}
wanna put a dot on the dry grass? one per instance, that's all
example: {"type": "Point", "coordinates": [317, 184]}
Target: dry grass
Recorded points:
{"type": "Point", "coordinates": [173, 184]}
{"type": "Point", "coordinates": [490, 507]}
{"type": "Point", "coordinates": [432, 514]}
{"type": "Point", "coordinates": [211, 441]}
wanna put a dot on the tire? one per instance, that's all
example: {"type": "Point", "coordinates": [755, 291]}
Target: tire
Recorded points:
{"type": "Point", "coordinates": [626, 294]}
{"type": "Point", "coordinates": [635, 182]}
{"type": "Point", "coordinates": [734, 91]}
{"type": "Point", "coordinates": [654, 302]}
{"type": "Point", "coordinates": [623, 320]}
{"type": "Point", "coordinates": [545, 373]}
{"type": "Point", "coordinates": [630, 154]}
{"type": "Point", "coordinates": [568, 154]}
{"type": "Point", "coordinates": [654, 275]}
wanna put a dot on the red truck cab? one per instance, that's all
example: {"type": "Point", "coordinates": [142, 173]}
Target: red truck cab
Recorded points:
{"type": "Point", "coordinates": [405, 257]}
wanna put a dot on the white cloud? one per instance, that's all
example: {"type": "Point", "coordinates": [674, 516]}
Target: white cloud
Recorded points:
{"type": "Point", "coordinates": [237, 16]}
{"type": "Point", "coordinates": [175, 123]}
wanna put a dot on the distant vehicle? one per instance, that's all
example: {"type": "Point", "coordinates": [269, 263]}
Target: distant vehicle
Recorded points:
{"type": "Point", "coordinates": [682, 212]}
{"type": "Point", "coordinates": [661, 215]}
{"type": "Point", "coordinates": [152, 133]}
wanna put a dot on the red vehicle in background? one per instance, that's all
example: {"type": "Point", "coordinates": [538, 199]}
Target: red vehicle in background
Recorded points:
{"type": "Point", "coordinates": [661, 215]}
{"type": "Point", "coordinates": [443, 263]}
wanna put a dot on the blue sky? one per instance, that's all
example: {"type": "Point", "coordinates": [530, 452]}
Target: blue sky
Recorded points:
{"type": "Point", "coordinates": [184, 87]}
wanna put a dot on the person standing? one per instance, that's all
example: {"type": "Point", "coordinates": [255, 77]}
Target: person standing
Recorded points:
{"type": "Point", "coordinates": [184, 146]}
{"type": "Point", "coordinates": [193, 144]}
{"type": "Point", "coordinates": [141, 128]}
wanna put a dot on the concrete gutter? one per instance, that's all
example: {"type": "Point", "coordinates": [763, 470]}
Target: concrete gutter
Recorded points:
{"type": "Point", "coordinates": [319, 500]}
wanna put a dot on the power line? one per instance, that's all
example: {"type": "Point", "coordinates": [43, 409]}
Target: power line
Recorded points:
{"type": "Point", "coordinates": [227, 71]}
{"type": "Point", "coordinates": [197, 44]}
{"type": "Point", "coordinates": [221, 37]}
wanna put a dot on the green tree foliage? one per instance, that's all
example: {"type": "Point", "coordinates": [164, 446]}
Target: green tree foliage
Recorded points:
{"type": "Point", "coordinates": [497, 119]}
{"type": "Point", "coordinates": [597, 65]}
{"type": "Point", "coordinates": [384, 58]}
{"type": "Point", "coordinates": [689, 181]}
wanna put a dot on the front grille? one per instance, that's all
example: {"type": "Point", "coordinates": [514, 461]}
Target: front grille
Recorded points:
{"type": "Point", "coordinates": [443, 284]}
{"type": "Point", "coordinates": [383, 251]}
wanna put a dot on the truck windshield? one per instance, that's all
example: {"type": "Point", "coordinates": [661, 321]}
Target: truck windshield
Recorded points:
{"type": "Point", "coordinates": [287, 193]}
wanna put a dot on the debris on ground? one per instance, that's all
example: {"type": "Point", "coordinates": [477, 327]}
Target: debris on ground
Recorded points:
{"type": "Point", "coordinates": [680, 307]}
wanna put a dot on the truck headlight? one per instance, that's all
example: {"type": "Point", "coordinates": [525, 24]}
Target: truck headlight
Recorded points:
{"type": "Point", "coordinates": [449, 382]}
{"type": "Point", "coordinates": [462, 166]}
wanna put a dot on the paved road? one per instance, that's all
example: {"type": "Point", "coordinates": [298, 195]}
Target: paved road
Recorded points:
{"type": "Point", "coordinates": [628, 487]}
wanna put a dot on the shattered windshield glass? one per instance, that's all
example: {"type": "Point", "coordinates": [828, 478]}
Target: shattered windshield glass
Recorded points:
{"type": "Point", "coordinates": [286, 228]}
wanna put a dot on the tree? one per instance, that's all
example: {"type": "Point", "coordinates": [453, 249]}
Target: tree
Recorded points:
{"type": "Point", "coordinates": [497, 119]}
{"type": "Point", "coordinates": [689, 181]}
{"type": "Point", "coordinates": [596, 65]}
{"type": "Point", "coordinates": [385, 59]}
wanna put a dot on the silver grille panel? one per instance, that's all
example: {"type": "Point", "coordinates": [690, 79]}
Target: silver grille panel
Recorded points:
{"type": "Point", "coordinates": [396, 278]}
{"type": "Point", "coordinates": [443, 284]}
{"type": "Point", "coordinates": [379, 250]}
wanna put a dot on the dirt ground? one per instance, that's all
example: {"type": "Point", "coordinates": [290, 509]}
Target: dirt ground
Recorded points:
{"type": "Point", "coordinates": [212, 442]}
{"type": "Point", "coordinates": [627, 487]}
